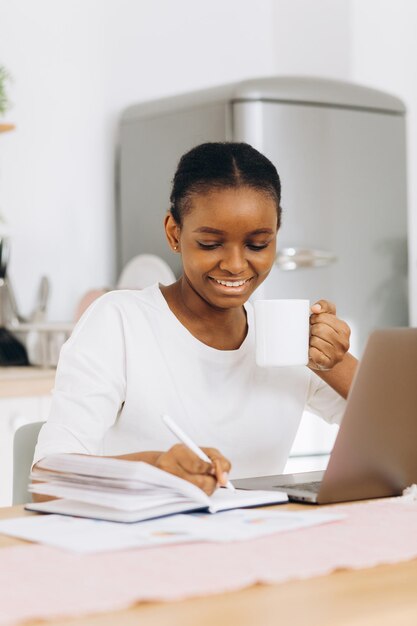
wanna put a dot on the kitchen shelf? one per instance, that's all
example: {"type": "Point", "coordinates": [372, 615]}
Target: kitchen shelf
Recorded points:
{"type": "Point", "coordinates": [18, 382]}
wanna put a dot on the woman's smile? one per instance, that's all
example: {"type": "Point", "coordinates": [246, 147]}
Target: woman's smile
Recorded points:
{"type": "Point", "coordinates": [231, 286]}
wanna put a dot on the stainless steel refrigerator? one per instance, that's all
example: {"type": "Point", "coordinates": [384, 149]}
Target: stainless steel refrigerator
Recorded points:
{"type": "Point", "coordinates": [340, 151]}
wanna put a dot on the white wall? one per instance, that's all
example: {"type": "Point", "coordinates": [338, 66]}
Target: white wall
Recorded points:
{"type": "Point", "coordinates": [384, 55]}
{"type": "Point", "coordinates": [312, 38]}
{"type": "Point", "coordinates": [78, 63]}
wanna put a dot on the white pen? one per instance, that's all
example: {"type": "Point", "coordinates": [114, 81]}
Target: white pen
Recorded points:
{"type": "Point", "coordinates": [187, 441]}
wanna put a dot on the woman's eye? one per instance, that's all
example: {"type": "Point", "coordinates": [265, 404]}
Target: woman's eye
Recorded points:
{"type": "Point", "coordinates": [208, 246]}
{"type": "Point", "coordinates": [216, 244]}
{"type": "Point", "coordinates": [254, 247]}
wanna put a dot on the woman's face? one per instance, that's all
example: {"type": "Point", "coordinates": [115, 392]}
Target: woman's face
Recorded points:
{"type": "Point", "coordinates": [227, 242]}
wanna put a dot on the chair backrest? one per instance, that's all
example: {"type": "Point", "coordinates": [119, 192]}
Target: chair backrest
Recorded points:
{"type": "Point", "coordinates": [24, 443]}
{"type": "Point", "coordinates": [145, 270]}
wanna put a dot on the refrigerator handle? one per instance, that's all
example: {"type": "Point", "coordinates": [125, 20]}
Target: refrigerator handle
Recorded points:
{"type": "Point", "coordinates": [296, 258]}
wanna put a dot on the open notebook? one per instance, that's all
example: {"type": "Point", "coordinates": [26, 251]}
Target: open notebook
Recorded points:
{"type": "Point", "coordinates": [128, 491]}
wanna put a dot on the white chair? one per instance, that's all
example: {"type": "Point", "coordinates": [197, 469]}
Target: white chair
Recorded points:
{"type": "Point", "coordinates": [24, 443]}
{"type": "Point", "coordinates": [144, 270]}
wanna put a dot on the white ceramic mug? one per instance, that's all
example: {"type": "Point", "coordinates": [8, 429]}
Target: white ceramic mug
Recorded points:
{"type": "Point", "coordinates": [282, 329]}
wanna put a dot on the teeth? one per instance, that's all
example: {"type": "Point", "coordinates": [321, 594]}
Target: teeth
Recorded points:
{"type": "Point", "coordinates": [229, 283]}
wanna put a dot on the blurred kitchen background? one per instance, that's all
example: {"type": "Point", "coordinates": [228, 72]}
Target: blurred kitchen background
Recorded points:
{"type": "Point", "coordinates": [79, 66]}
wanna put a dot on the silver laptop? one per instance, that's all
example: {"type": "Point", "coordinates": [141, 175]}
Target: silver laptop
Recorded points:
{"type": "Point", "coordinates": [375, 452]}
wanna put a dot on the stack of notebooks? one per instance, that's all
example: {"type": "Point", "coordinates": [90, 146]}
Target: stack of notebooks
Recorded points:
{"type": "Point", "coordinates": [128, 491]}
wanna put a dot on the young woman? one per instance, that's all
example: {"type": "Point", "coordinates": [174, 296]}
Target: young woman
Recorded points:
{"type": "Point", "coordinates": [187, 349]}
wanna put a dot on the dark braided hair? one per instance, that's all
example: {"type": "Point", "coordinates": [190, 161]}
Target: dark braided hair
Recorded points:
{"type": "Point", "coordinates": [222, 165]}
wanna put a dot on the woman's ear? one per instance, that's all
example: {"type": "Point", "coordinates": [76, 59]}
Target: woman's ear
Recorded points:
{"type": "Point", "coordinates": [172, 232]}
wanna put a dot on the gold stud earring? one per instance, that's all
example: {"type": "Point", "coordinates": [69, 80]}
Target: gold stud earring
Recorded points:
{"type": "Point", "coordinates": [175, 248]}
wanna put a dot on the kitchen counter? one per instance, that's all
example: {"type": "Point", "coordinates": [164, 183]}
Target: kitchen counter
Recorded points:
{"type": "Point", "coordinates": [18, 382]}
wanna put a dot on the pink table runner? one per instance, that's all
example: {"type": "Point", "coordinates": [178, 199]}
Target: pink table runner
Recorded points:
{"type": "Point", "coordinates": [45, 583]}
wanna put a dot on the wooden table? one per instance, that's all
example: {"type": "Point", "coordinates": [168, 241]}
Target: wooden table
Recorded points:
{"type": "Point", "coordinates": [381, 596]}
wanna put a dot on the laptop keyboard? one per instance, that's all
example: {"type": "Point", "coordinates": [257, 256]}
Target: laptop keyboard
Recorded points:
{"type": "Point", "coordinates": [312, 486]}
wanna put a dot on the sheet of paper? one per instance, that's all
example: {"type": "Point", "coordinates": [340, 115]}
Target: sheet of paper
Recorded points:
{"type": "Point", "coordinates": [371, 533]}
{"type": "Point", "coordinates": [88, 536]}
{"type": "Point", "coordinates": [244, 524]}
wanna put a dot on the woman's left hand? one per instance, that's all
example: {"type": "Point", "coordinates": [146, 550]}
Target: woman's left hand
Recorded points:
{"type": "Point", "coordinates": [329, 337]}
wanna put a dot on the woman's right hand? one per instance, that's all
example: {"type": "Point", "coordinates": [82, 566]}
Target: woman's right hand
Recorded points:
{"type": "Point", "coordinates": [182, 462]}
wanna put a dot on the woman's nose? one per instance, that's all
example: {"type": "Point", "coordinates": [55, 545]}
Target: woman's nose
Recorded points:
{"type": "Point", "coordinates": [234, 261]}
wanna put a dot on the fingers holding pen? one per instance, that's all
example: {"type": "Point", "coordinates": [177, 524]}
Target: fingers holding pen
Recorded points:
{"type": "Point", "coordinates": [189, 461]}
{"type": "Point", "coordinates": [220, 465]}
{"type": "Point", "coordinates": [183, 462]}
{"type": "Point", "coordinates": [205, 467]}
{"type": "Point", "coordinates": [218, 469]}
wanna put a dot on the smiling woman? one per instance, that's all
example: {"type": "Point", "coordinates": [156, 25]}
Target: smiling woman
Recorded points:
{"type": "Point", "coordinates": [224, 217]}
{"type": "Point", "coordinates": [187, 349]}
{"type": "Point", "coordinates": [228, 246]}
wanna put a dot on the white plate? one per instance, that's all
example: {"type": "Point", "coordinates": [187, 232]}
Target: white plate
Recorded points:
{"type": "Point", "coordinates": [144, 270]}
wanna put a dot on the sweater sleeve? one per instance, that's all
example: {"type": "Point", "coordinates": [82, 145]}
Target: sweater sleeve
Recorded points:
{"type": "Point", "coordinates": [90, 383]}
{"type": "Point", "coordinates": [324, 401]}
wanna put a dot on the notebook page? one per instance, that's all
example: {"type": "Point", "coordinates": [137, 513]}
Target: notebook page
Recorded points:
{"type": "Point", "coordinates": [94, 511]}
{"type": "Point", "coordinates": [105, 467]}
{"type": "Point", "coordinates": [223, 499]}
{"type": "Point", "coordinates": [119, 501]}
{"type": "Point", "coordinates": [127, 472]}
